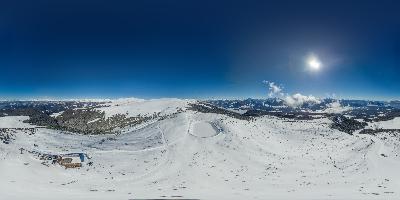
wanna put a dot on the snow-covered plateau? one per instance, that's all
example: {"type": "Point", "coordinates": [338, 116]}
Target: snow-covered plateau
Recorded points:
{"type": "Point", "coordinates": [186, 154]}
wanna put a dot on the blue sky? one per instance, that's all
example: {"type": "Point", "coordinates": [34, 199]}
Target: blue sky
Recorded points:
{"type": "Point", "coordinates": [198, 49]}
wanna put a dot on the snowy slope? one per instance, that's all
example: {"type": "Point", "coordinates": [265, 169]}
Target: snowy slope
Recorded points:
{"type": "Point", "coordinates": [206, 156]}
{"type": "Point", "coordinates": [133, 107]}
{"type": "Point", "coordinates": [14, 122]}
{"type": "Point", "coordinates": [390, 124]}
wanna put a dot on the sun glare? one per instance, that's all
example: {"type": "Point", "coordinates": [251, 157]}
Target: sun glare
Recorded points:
{"type": "Point", "coordinates": [313, 63]}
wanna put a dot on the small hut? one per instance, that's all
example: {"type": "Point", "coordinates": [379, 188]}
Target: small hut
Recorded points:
{"type": "Point", "coordinates": [72, 160]}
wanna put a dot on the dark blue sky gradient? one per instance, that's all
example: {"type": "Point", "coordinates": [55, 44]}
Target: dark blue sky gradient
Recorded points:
{"type": "Point", "coordinates": [198, 49]}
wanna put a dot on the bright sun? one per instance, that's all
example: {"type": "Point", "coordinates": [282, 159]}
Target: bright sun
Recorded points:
{"type": "Point", "coordinates": [313, 63]}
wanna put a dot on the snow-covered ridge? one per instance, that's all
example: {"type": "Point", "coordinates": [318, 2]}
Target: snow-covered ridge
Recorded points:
{"type": "Point", "coordinates": [132, 107]}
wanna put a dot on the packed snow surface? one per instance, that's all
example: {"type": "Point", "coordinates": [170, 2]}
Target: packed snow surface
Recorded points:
{"type": "Point", "coordinates": [204, 129]}
{"type": "Point", "coordinates": [14, 122]}
{"type": "Point", "coordinates": [390, 124]}
{"type": "Point", "coordinates": [205, 156]}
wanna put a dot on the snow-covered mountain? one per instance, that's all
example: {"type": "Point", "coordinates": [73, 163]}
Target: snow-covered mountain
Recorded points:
{"type": "Point", "coordinates": [172, 148]}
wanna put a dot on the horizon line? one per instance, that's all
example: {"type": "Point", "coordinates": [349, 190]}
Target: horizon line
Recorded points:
{"type": "Point", "coordinates": [105, 99]}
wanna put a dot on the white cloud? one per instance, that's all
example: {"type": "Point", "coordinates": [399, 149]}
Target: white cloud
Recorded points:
{"type": "Point", "coordinates": [331, 96]}
{"type": "Point", "coordinates": [274, 89]}
{"type": "Point", "coordinates": [336, 107]}
{"type": "Point", "coordinates": [298, 99]}
{"type": "Point", "coordinates": [295, 100]}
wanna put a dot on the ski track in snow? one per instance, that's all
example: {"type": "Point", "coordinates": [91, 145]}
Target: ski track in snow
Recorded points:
{"type": "Point", "coordinates": [207, 156]}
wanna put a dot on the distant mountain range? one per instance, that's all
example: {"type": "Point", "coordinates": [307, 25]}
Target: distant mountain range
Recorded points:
{"type": "Point", "coordinates": [273, 103]}
{"type": "Point", "coordinates": [99, 117]}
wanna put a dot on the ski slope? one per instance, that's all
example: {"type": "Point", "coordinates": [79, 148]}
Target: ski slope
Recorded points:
{"type": "Point", "coordinates": [207, 156]}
